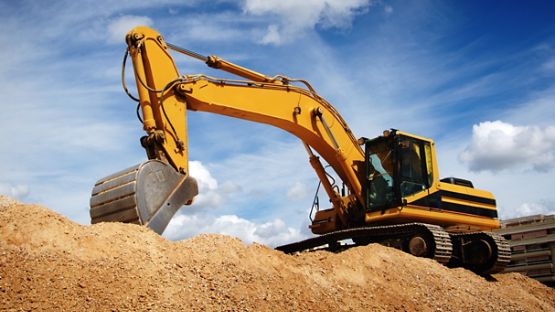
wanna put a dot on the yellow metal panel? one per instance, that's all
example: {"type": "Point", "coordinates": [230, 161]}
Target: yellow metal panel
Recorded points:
{"type": "Point", "coordinates": [432, 216]}
{"type": "Point", "coordinates": [286, 107]}
{"type": "Point", "coordinates": [467, 203]}
{"type": "Point", "coordinates": [296, 110]}
{"type": "Point", "coordinates": [416, 196]}
{"type": "Point", "coordinates": [151, 58]}
{"type": "Point", "coordinates": [465, 190]}
{"type": "Point", "coordinates": [410, 135]}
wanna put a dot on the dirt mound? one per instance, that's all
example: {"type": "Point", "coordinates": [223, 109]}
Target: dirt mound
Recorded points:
{"type": "Point", "coordinates": [50, 263]}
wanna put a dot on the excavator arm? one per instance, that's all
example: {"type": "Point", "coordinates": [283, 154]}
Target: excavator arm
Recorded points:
{"type": "Point", "coordinates": [394, 193]}
{"type": "Point", "coordinates": [164, 98]}
{"type": "Point", "coordinates": [294, 110]}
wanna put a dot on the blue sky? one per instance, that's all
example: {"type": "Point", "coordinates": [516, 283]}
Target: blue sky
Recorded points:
{"type": "Point", "coordinates": [476, 76]}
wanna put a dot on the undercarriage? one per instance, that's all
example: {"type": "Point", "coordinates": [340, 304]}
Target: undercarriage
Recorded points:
{"type": "Point", "coordinates": [481, 252]}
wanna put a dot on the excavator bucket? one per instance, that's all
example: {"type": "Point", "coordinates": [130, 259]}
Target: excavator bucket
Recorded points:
{"type": "Point", "coordinates": [149, 194]}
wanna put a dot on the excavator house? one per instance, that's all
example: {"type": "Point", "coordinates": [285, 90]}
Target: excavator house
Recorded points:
{"type": "Point", "coordinates": [390, 191]}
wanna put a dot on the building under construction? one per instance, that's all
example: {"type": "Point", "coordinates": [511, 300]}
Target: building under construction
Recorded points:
{"type": "Point", "coordinates": [532, 241]}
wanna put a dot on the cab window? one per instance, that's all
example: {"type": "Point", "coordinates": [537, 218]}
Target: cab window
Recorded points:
{"type": "Point", "coordinates": [380, 165]}
{"type": "Point", "coordinates": [415, 166]}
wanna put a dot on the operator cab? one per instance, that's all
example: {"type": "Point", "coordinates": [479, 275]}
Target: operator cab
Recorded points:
{"type": "Point", "coordinates": [398, 165]}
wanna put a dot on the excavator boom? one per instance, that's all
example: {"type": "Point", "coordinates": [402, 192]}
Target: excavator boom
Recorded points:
{"type": "Point", "coordinates": [165, 96]}
{"type": "Point", "coordinates": [393, 192]}
{"type": "Point", "coordinates": [151, 192]}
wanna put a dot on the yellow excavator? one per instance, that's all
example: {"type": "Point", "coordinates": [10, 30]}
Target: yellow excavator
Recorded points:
{"type": "Point", "coordinates": [391, 192]}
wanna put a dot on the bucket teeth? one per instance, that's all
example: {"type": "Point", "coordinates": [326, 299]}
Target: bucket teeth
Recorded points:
{"type": "Point", "coordinates": [148, 194]}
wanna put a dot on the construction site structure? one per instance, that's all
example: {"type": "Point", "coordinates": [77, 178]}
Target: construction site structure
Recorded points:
{"type": "Point", "coordinates": [532, 241]}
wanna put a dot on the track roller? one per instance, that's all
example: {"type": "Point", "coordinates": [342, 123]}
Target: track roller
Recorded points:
{"type": "Point", "coordinates": [481, 252]}
{"type": "Point", "coordinates": [419, 239]}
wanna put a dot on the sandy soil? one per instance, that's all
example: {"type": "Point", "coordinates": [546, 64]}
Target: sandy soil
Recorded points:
{"type": "Point", "coordinates": [50, 263]}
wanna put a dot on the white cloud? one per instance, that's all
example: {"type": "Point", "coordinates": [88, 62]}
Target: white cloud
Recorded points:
{"type": "Point", "coordinates": [215, 31]}
{"type": "Point", "coordinates": [497, 145]}
{"type": "Point", "coordinates": [272, 233]}
{"type": "Point", "coordinates": [529, 209]}
{"type": "Point", "coordinates": [205, 180]}
{"type": "Point", "coordinates": [272, 230]}
{"type": "Point", "coordinates": [15, 191]}
{"type": "Point", "coordinates": [272, 35]}
{"type": "Point", "coordinates": [209, 195]}
{"type": "Point", "coordinates": [549, 65]}
{"type": "Point", "coordinates": [517, 192]}
{"type": "Point", "coordinates": [296, 17]}
{"type": "Point", "coordinates": [118, 28]}
{"type": "Point", "coordinates": [537, 109]}
{"type": "Point", "coordinates": [388, 9]}
{"type": "Point", "coordinates": [299, 190]}
{"type": "Point", "coordinates": [266, 176]}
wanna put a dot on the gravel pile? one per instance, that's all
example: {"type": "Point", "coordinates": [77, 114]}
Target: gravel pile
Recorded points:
{"type": "Point", "coordinates": [48, 262]}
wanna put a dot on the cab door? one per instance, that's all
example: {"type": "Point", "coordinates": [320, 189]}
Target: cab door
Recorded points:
{"type": "Point", "coordinates": [415, 166]}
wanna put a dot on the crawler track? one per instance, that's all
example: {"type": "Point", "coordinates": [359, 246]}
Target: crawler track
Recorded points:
{"type": "Point", "coordinates": [438, 242]}
{"type": "Point", "coordinates": [467, 252]}
{"type": "Point", "coordinates": [481, 252]}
